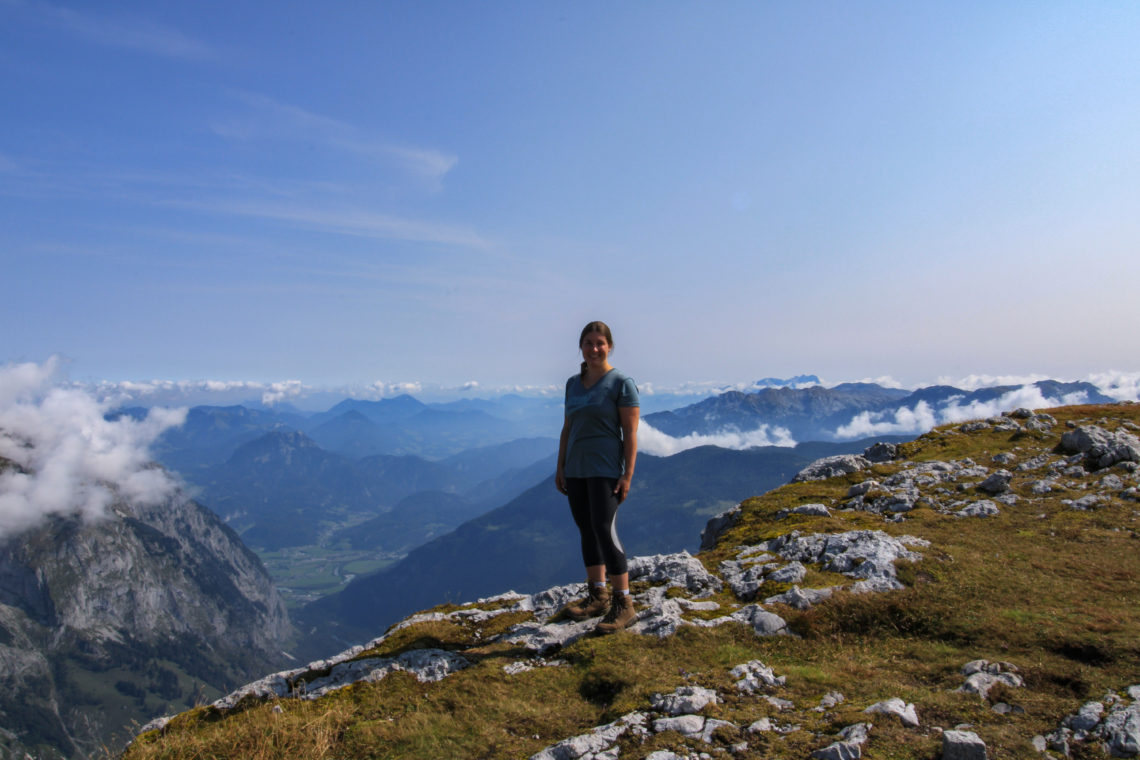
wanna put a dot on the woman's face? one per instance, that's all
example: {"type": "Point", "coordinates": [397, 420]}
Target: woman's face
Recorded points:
{"type": "Point", "coordinates": [595, 348]}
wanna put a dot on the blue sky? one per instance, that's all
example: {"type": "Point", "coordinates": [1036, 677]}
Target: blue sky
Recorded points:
{"type": "Point", "coordinates": [363, 192]}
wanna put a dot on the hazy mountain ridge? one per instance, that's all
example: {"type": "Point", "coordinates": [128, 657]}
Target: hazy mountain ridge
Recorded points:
{"type": "Point", "coordinates": [807, 413]}
{"type": "Point", "coordinates": [819, 413]}
{"type": "Point", "coordinates": [282, 489]}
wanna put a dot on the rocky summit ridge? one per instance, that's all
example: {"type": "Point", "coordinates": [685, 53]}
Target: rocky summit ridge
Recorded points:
{"type": "Point", "coordinates": [967, 595]}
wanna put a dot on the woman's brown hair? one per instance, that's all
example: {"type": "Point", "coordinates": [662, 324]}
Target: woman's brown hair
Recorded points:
{"type": "Point", "coordinates": [598, 327]}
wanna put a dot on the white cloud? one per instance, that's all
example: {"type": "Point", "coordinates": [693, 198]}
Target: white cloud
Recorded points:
{"type": "Point", "coordinates": [1027, 396]}
{"type": "Point", "coordinates": [901, 421]}
{"type": "Point", "coordinates": [280, 391]}
{"type": "Point", "coordinates": [272, 118]}
{"type": "Point", "coordinates": [69, 458]}
{"type": "Point", "coordinates": [382, 389]}
{"type": "Point", "coordinates": [1122, 386]}
{"type": "Point", "coordinates": [884, 380]}
{"type": "Point", "coordinates": [974, 382]}
{"type": "Point", "coordinates": [922, 417]}
{"type": "Point", "coordinates": [189, 392]}
{"type": "Point", "coordinates": [653, 441]}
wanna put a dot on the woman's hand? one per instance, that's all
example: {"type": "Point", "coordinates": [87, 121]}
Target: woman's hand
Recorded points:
{"type": "Point", "coordinates": [559, 473]}
{"type": "Point", "coordinates": [621, 490]}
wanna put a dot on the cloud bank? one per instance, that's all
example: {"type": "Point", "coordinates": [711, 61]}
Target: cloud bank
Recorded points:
{"type": "Point", "coordinates": [652, 441]}
{"type": "Point", "coordinates": [922, 416]}
{"type": "Point", "coordinates": [1122, 386]}
{"type": "Point", "coordinates": [69, 459]}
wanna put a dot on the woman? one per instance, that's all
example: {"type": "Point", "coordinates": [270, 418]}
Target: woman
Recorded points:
{"type": "Point", "coordinates": [596, 455]}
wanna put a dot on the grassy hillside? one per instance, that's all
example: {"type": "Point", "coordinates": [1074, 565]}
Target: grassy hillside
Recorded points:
{"type": "Point", "coordinates": [1046, 589]}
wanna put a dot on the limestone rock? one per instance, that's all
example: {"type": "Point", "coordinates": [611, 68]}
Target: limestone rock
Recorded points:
{"type": "Point", "coordinates": [718, 526]}
{"type": "Point", "coordinates": [881, 452]}
{"type": "Point", "coordinates": [1121, 731]}
{"type": "Point", "coordinates": [1086, 718]}
{"type": "Point", "coordinates": [763, 725]}
{"type": "Point", "coordinates": [1085, 503]}
{"type": "Point", "coordinates": [849, 746]}
{"type": "Point", "coordinates": [996, 483]}
{"type": "Point", "coordinates": [962, 745]}
{"type": "Point", "coordinates": [830, 467]}
{"type": "Point", "coordinates": [680, 570]}
{"type": "Point", "coordinates": [801, 599]}
{"type": "Point", "coordinates": [896, 706]}
{"type": "Point", "coordinates": [764, 623]}
{"type": "Point", "coordinates": [862, 554]}
{"type": "Point", "coordinates": [859, 489]}
{"type": "Point", "coordinates": [818, 510]}
{"type": "Point", "coordinates": [793, 572]}
{"type": "Point", "coordinates": [983, 508]}
{"type": "Point", "coordinates": [1100, 448]}
{"type": "Point", "coordinates": [754, 676]}
{"type": "Point", "coordinates": [983, 675]}
{"type": "Point", "coordinates": [686, 725]}
{"type": "Point", "coordinates": [830, 700]}
{"type": "Point", "coordinates": [594, 742]}
{"type": "Point", "coordinates": [686, 699]}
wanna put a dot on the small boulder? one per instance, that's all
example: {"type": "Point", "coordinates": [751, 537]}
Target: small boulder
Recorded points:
{"type": "Point", "coordinates": [984, 508]}
{"type": "Point", "coordinates": [718, 526]}
{"type": "Point", "coordinates": [849, 746]}
{"type": "Point", "coordinates": [859, 489]}
{"type": "Point", "coordinates": [830, 467]}
{"type": "Point", "coordinates": [686, 699]}
{"type": "Point", "coordinates": [818, 510]}
{"type": "Point", "coordinates": [881, 452]}
{"type": "Point", "coordinates": [754, 676]}
{"type": "Point", "coordinates": [1086, 718]}
{"type": "Point", "coordinates": [896, 706]}
{"type": "Point", "coordinates": [963, 745]}
{"type": "Point", "coordinates": [793, 572]}
{"type": "Point", "coordinates": [996, 483]}
{"type": "Point", "coordinates": [1121, 731]}
{"type": "Point", "coordinates": [686, 725]}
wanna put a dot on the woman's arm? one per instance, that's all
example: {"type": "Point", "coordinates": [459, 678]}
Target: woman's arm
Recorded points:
{"type": "Point", "coordinates": [629, 416]}
{"type": "Point", "coordinates": [563, 440]}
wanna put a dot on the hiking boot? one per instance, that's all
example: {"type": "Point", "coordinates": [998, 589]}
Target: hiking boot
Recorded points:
{"type": "Point", "coordinates": [620, 615]}
{"type": "Point", "coordinates": [596, 602]}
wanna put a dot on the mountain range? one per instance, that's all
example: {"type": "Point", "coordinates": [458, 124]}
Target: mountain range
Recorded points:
{"type": "Point", "coordinates": [817, 413]}
{"type": "Point", "coordinates": [282, 489]}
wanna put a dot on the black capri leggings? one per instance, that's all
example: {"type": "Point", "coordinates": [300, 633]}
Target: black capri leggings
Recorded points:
{"type": "Point", "coordinates": [594, 506]}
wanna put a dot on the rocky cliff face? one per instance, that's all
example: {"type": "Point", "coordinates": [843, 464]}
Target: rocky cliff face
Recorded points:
{"type": "Point", "coordinates": [107, 622]}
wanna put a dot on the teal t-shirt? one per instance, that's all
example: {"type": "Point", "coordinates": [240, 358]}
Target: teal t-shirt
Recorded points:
{"type": "Point", "coordinates": [594, 448]}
